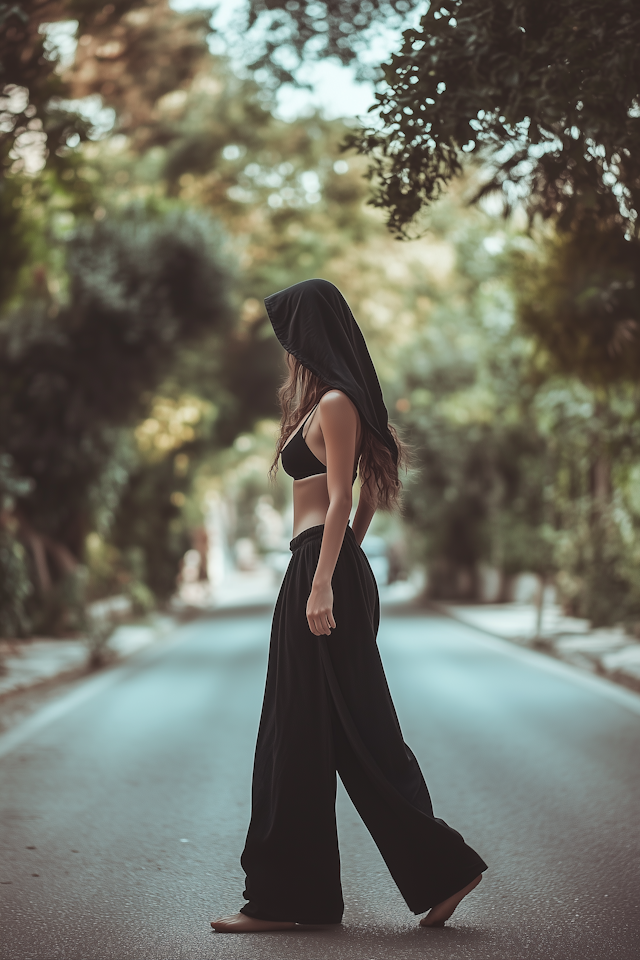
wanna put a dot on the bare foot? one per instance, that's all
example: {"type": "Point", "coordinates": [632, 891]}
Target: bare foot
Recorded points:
{"type": "Point", "coordinates": [439, 914]}
{"type": "Point", "coordinates": [240, 923]}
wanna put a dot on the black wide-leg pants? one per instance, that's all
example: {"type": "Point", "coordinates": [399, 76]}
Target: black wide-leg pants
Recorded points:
{"type": "Point", "coordinates": [327, 708]}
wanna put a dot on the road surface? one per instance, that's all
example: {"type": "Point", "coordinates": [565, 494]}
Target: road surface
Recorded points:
{"type": "Point", "coordinates": [125, 802]}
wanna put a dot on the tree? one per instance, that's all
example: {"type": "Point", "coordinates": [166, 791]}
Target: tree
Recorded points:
{"type": "Point", "coordinates": [592, 438]}
{"type": "Point", "coordinates": [546, 97]}
{"type": "Point", "coordinates": [579, 295]}
{"type": "Point", "coordinates": [75, 375]}
{"type": "Point", "coordinates": [135, 58]}
{"type": "Point", "coordinates": [311, 30]}
{"type": "Point", "coordinates": [30, 78]}
{"type": "Point", "coordinates": [100, 313]}
{"type": "Point", "coordinates": [273, 184]}
{"type": "Point", "coordinates": [30, 119]}
{"type": "Point", "coordinates": [466, 401]}
{"type": "Point", "coordinates": [113, 57]}
{"type": "Point", "coordinates": [42, 122]}
{"type": "Point", "coordinates": [548, 93]}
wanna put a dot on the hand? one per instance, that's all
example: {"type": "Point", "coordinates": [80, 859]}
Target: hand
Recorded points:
{"type": "Point", "coordinates": [320, 610]}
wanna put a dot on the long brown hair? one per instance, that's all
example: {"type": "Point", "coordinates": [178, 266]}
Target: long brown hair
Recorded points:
{"type": "Point", "coordinates": [301, 391]}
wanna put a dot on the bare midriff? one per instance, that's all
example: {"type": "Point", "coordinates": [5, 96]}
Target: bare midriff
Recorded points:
{"type": "Point", "coordinates": [311, 495]}
{"type": "Point", "coordinates": [310, 502]}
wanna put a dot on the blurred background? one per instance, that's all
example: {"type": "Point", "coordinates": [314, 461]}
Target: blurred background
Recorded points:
{"type": "Point", "coordinates": [164, 168]}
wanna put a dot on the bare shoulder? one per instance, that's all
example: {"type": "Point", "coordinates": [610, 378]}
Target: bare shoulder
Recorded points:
{"type": "Point", "coordinates": [337, 403]}
{"type": "Point", "coordinates": [339, 417]}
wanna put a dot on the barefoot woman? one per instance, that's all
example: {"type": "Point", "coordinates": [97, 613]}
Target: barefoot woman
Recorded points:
{"type": "Point", "coordinates": [327, 706]}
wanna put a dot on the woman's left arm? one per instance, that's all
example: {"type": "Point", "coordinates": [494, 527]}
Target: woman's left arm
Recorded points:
{"type": "Point", "coordinates": [339, 425]}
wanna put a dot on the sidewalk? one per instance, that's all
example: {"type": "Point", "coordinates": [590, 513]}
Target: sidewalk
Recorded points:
{"type": "Point", "coordinates": [609, 652]}
{"type": "Point", "coordinates": [27, 664]}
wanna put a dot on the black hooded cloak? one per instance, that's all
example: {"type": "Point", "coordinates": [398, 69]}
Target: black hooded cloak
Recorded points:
{"type": "Point", "coordinates": [313, 322]}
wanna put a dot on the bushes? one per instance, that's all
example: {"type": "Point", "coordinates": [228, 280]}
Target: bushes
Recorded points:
{"type": "Point", "coordinates": [15, 585]}
{"type": "Point", "coordinates": [15, 582]}
{"type": "Point", "coordinates": [76, 375]}
{"type": "Point", "coordinates": [478, 494]}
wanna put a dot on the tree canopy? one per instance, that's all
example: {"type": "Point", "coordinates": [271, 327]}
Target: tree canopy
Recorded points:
{"type": "Point", "coordinates": [133, 342]}
{"type": "Point", "coordinates": [129, 53]}
{"type": "Point", "coordinates": [547, 93]}
{"type": "Point", "coordinates": [138, 370]}
{"type": "Point", "coordinates": [33, 89]}
{"type": "Point", "coordinates": [313, 29]}
{"type": "Point", "coordinates": [579, 295]}
{"type": "Point", "coordinates": [73, 374]}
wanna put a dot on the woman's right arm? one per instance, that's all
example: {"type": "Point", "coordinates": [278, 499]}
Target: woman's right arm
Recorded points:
{"type": "Point", "coordinates": [367, 505]}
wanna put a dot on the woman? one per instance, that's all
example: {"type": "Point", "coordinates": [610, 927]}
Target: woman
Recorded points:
{"type": "Point", "coordinates": [327, 706]}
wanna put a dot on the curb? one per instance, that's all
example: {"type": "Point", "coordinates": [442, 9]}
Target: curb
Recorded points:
{"type": "Point", "coordinates": [618, 662]}
{"type": "Point", "coordinates": [39, 663]}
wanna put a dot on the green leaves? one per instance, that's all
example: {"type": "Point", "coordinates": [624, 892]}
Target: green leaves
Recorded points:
{"type": "Point", "coordinates": [140, 288]}
{"type": "Point", "coordinates": [579, 295]}
{"type": "Point", "coordinates": [548, 93]}
{"type": "Point", "coordinates": [309, 29]}
{"type": "Point", "coordinates": [15, 583]}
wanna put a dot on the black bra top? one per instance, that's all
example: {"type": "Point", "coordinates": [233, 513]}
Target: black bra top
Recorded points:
{"type": "Point", "coordinates": [298, 460]}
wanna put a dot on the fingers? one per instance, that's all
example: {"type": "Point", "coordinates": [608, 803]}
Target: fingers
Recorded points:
{"type": "Point", "coordinates": [321, 624]}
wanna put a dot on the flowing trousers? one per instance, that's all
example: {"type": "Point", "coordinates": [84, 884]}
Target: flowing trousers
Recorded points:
{"type": "Point", "coordinates": [327, 708]}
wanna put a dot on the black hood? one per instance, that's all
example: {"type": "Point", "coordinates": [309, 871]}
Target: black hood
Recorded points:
{"type": "Point", "coordinates": [313, 322]}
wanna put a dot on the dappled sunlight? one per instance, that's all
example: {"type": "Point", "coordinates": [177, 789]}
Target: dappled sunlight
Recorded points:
{"type": "Point", "coordinates": [172, 424]}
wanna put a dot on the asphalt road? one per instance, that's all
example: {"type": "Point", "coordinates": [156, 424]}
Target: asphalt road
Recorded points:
{"type": "Point", "coordinates": [125, 803]}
